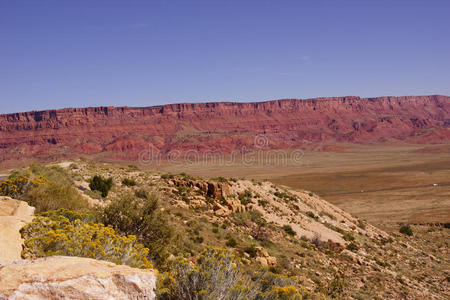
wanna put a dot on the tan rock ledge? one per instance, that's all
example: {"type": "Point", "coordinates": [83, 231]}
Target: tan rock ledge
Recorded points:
{"type": "Point", "coordinates": [62, 277]}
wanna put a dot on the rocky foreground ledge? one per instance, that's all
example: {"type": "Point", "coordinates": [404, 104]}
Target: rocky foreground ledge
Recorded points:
{"type": "Point", "coordinates": [61, 277]}
{"type": "Point", "coordinates": [14, 214]}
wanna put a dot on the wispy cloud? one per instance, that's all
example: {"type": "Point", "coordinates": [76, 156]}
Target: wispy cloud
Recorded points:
{"type": "Point", "coordinates": [305, 59]}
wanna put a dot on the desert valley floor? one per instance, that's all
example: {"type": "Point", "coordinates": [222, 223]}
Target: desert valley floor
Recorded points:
{"type": "Point", "coordinates": [382, 184]}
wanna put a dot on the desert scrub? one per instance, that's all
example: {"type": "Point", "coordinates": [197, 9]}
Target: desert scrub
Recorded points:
{"type": "Point", "coordinates": [68, 233]}
{"type": "Point", "coordinates": [129, 182]}
{"type": "Point", "coordinates": [251, 250]}
{"type": "Point", "coordinates": [144, 219]}
{"type": "Point", "coordinates": [231, 242]}
{"type": "Point", "coordinates": [167, 176]}
{"type": "Point", "coordinates": [324, 213]}
{"type": "Point", "coordinates": [141, 193]}
{"type": "Point", "coordinates": [263, 203]}
{"type": "Point", "coordinates": [246, 197]}
{"type": "Point", "coordinates": [348, 236]}
{"type": "Point", "coordinates": [248, 217]}
{"type": "Point", "coordinates": [55, 195]}
{"type": "Point", "coordinates": [352, 247]}
{"type": "Point", "coordinates": [406, 229]}
{"type": "Point", "coordinates": [98, 183]}
{"type": "Point", "coordinates": [216, 274]}
{"type": "Point", "coordinates": [288, 229]}
{"type": "Point", "coordinates": [285, 196]}
{"type": "Point", "coordinates": [220, 179]}
{"type": "Point", "coordinates": [312, 215]}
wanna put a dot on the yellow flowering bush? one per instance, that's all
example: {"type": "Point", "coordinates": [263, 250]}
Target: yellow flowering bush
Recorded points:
{"type": "Point", "coordinates": [280, 287]}
{"type": "Point", "coordinates": [64, 232]}
{"type": "Point", "coordinates": [18, 185]}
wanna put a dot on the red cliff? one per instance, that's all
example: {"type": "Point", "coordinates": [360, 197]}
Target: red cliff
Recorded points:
{"type": "Point", "coordinates": [225, 126]}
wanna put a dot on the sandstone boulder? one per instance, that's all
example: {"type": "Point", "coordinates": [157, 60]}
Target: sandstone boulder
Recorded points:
{"type": "Point", "coordinates": [62, 277]}
{"type": "Point", "coordinates": [14, 214]}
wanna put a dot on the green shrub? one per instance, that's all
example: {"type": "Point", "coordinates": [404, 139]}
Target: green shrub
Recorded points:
{"type": "Point", "coordinates": [128, 182]}
{"type": "Point", "coordinates": [143, 194]}
{"type": "Point", "coordinates": [337, 286]}
{"type": "Point", "coordinates": [54, 195]}
{"type": "Point", "coordinates": [216, 274]}
{"type": "Point", "coordinates": [263, 202]}
{"type": "Point", "coordinates": [68, 233]}
{"type": "Point", "coordinates": [288, 229]}
{"type": "Point", "coordinates": [198, 239]}
{"type": "Point", "coordinates": [348, 236]}
{"type": "Point", "coordinates": [406, 229]}
{"type": "Point", "coordinates": [352, 246]}
{"type": "Point", "coordinates": [143, 218]}
{"type": "Point", "coordinates": [98, 183]}
{"type": "Point", "coordinates": [248, 217]}
{"type": "Point", "coordinates": [245, 197]}
{"type": "Point", "coordinates": [167, 176]}
{"type": "Point", "coordinates": [324, 213]}
{"type": "Point", "coordinates": [220, 179]}
{"type": "Point", "coordinates": [231, 242]}
{"type": "Point", "coordinates": [311, 215]}
{"type": "Point", "coordinates": [251, 250]}
{"type": "Point", "coordinates": [285, 196]}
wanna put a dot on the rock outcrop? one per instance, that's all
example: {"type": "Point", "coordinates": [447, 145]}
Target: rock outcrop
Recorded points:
{"type": "Point", "coordinates": [61, 277]}
{"type": "Point", "coordinates": [216, 190]}
{"type": "Point", "coordinates": [14, 214]}
{"type": "Point", "coordinates": [143, 133]}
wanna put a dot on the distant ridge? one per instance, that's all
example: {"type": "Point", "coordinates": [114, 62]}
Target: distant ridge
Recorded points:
{"type": "Point", "coordinates": [124, 132]}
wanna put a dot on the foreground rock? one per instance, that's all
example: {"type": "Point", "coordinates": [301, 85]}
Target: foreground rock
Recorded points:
{"type": "Point", "coordinates": [61, 277]}
{"type": "Point", "coordinates": [14, 214]}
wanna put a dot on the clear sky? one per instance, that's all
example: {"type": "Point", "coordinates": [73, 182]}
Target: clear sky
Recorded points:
{"type": "Point", "coordinates": [60, 53]}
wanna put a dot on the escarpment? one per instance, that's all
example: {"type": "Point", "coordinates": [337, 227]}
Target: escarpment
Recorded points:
{"type": "Point", "coordinates": [124, 132]}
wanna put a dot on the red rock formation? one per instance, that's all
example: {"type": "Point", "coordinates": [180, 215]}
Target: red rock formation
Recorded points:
{"type": "Point", "coordinates": [124, 132]}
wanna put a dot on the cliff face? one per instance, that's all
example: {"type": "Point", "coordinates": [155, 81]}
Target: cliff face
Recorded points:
{"type": "Point", "coordinates": [124, 132]}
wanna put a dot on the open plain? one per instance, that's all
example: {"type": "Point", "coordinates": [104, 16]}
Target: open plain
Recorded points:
{"type": "Point", "coordinates": [385, 185]}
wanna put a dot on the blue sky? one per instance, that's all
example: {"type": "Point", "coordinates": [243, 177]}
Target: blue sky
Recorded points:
{"type": "Point", "coordinates": [56, 54]}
